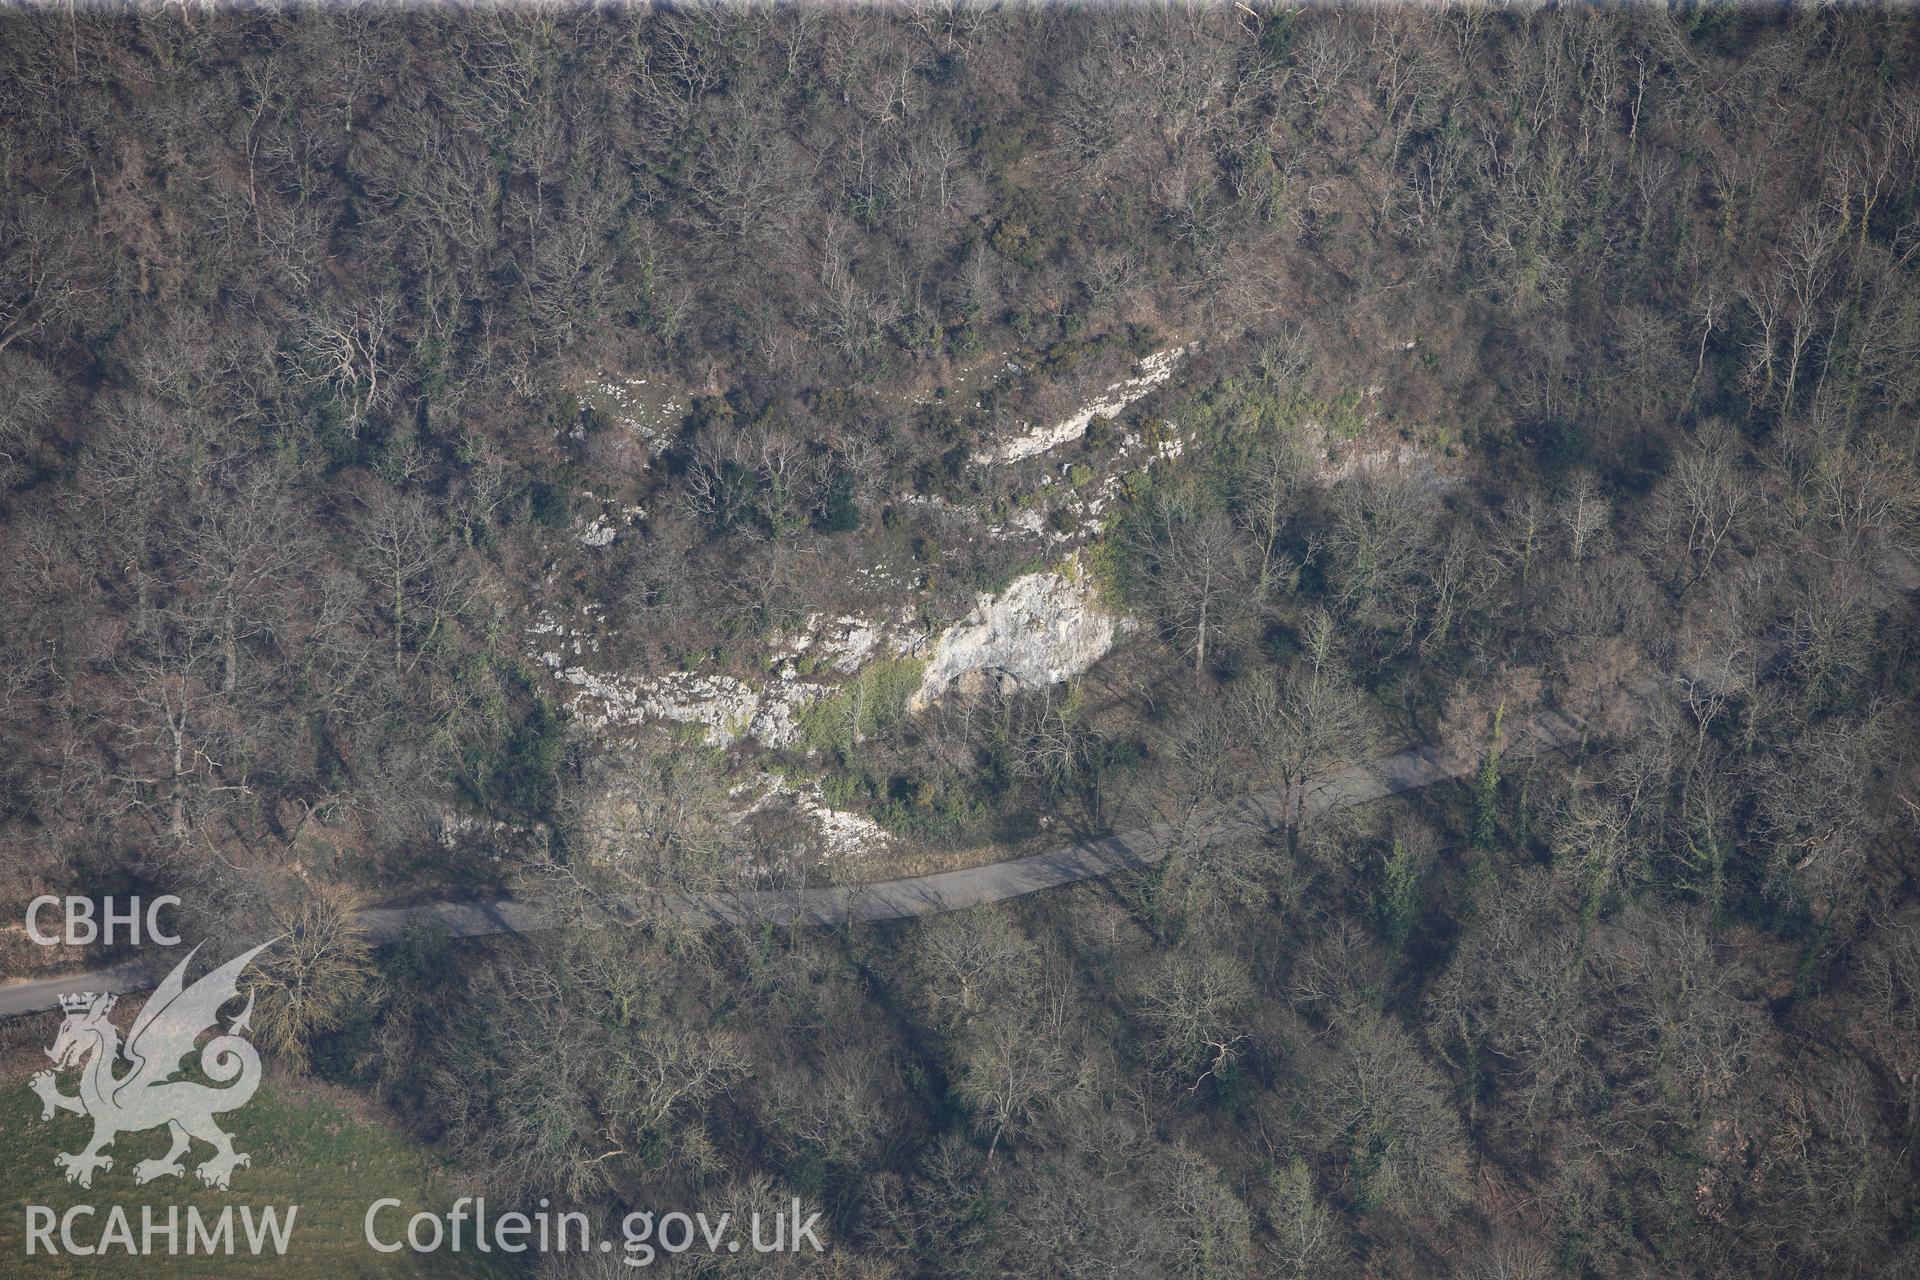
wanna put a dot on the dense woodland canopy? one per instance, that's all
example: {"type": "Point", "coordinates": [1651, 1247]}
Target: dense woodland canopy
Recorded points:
{"type": "Point", "coordinates": [295, 309]}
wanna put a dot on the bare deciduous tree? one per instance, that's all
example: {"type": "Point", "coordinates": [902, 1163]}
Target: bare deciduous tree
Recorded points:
{"type": "Point", "coordinates": [1197, 568]}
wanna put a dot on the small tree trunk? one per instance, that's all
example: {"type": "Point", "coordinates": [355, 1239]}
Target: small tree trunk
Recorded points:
{"type": "Point", "coordinates": [229, 655]}
{"type": "Point", "coordinates": [177, 803]}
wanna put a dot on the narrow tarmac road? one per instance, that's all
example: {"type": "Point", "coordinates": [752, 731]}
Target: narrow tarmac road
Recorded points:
{"type": "Point", "coordinates": [878, 900]}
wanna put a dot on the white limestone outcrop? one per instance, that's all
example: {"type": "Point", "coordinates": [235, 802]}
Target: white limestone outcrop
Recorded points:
{"type": "Point", "coordinates": [729, 707]}
{"type": "Point", "coordinates": [1151, 372]}
{"type": "Point", "coordinates": [1044, 628]}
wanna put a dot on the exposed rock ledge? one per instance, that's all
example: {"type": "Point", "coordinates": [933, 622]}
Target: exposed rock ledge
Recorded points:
{"type": "Point", "coordinates": [1044, 628]}
{"type": "Point", "coordinates": [1149, 373]}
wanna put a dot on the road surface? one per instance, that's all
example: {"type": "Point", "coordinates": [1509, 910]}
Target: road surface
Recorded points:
{"type": "Point", "coordinates": [879, 900]}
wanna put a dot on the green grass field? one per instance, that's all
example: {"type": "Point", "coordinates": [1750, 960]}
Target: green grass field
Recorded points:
{"type": "Point", "coordinates": [306, 1151]}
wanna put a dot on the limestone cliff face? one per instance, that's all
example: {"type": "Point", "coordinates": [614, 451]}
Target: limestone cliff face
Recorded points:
{"type": "Point", "coordinates": [1044, 628]}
